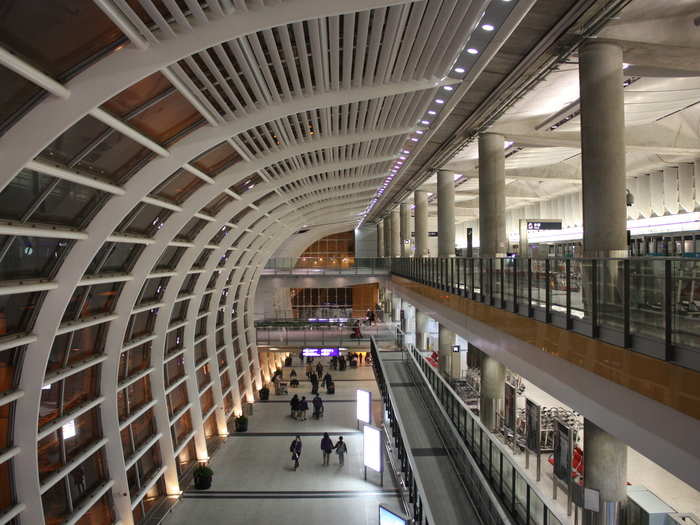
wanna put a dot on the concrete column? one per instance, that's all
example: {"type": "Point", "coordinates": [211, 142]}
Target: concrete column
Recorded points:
{"type": "Point", "coordinates": [449, 361]}
{"type": "Point", "coordinates": [492, 196]}
{"type": "Point", "coordinates": [396, 308]}
{"type": "Point", "coordinates": [395, 233]}
{"type": "Point", "coordinates": [380, 239]}
{"type": "Point", "coordinates": [493, 378]}
{"type": "Point", "coordinates": [602, 150]}
{"type": "Point", "coordinates": [420, 198]}
{"type": "Point", "coordinates": [446, 213]}
{"type": "Point", "coordinates": [405, 229]}
{"type": "Point", "coordinates": [605, 459]}
{"type": "Point", "coordinates": [421, 330]}
{"type": "Point", "coordinates": [386, 227]}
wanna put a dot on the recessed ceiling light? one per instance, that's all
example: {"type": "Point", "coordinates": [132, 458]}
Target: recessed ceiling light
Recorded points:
{"type": "Point", "coordinates": [432, 112]}
{"type": "Point", "coordinates": [414, 139]}
{"type": "Point", "coordinates": [448, 88]}
{"type": "Point", "coordinates": [473, 51]}
{"type": "Point", "coordinates": [425, 122]}
{"type": "Point", "coordinates": [487, 27]}
{"type": "Point", "coordinates": [402, 157]}
{"type": "Point", "coordinates": [419, 131]}
{"type": "Point", "coordinates": [406, 151]}
{"type": "Point", "coordinates": [439, 101]}
{"type": "Point", "coordinates": [459, 70]}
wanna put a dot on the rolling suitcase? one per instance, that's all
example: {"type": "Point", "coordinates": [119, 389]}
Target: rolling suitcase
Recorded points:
{"type": "Point", "coordinates": [331, 387]}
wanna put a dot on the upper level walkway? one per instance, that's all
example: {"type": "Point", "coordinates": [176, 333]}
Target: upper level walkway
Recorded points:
{"type": "Point", "coordinates": [284, 266]}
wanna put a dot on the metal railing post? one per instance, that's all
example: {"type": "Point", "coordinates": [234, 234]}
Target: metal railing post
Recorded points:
{"type": "Point", "coordinates": [668, 309]}
{"type": "Point", "coordinates": [567, 267]}
{"type": "Point", "coordinates": [547, 293]}
{"type": "Point", "coordinates": [626, 302]}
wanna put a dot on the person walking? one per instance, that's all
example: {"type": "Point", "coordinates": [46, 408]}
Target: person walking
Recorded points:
{"type": "Point", "coordinates": [341, 449]}
{"type": "Point", "coordinates": [295, 449]}
{"type": "Point", "coordinates": [314, 383]}
{"type": "Point", "coordinates": [318, 406]}
{"type": "Point", "coordinates": [319, 370]}
{"type": "Point", "coordinates": [303, 407]}
{"type": "Point", "coordinates": [327, 448]}
{"type": "Point", "coordinates": [309, 370]}
{"type": "Point", "coordinates": [294, 405]}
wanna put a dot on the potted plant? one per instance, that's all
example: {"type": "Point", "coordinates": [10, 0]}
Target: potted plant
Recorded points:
{"type": "Point", "coordinates": [202, 477]}
{"type": "Point", "coordinates": [264, 393]}
{"type": "Point", "coordinates": [241, 424]}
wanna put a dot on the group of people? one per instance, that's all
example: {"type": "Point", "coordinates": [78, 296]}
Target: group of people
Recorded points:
{"type": "Point", "coordinates": [301, 406]}
{"type": "Point", "coordinates": [327, 447]}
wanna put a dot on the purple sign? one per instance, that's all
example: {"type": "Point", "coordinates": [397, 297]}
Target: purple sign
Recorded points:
{"type": "Point", "coordinates": [321, 352]}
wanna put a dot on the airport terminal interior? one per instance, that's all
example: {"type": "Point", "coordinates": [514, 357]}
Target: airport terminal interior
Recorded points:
{"type": "Point", "coordinates": [355, 262]}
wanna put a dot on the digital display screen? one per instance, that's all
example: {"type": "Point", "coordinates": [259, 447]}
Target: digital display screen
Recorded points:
{"type": "Point", "coordinates": [69, 429]}
{"type": "Point", "coordinates": [321, 352]}
{"type": "Point", "coordinates": [387, 517]}
{"type": "Point", "coordinates": [364, 406]}
{"type": "Point", "coordinates": [372, 447]}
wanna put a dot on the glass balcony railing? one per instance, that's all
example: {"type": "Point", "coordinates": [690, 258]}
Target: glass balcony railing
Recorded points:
{"type": "Point", "coordinates": [649, 304]}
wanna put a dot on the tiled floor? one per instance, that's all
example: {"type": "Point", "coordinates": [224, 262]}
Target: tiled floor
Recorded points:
{"type": "Point", "coordinates": [255, 483]}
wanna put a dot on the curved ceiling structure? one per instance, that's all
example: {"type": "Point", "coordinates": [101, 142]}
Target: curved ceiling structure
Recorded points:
{"type": "Point", "coordinates": [155, 154]}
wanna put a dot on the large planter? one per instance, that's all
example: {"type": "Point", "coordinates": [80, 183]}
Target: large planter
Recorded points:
{"type": "Point", "coordinates": [202, 482]}
{"type": "Point", "coordinates": [202, 477]}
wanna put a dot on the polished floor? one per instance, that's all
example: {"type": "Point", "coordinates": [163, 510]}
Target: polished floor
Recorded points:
{"type": "Point", "coordinates": [254, 480]}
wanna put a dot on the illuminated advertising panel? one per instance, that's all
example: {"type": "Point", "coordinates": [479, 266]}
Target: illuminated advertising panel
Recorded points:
{"type": "Point", "coordinates": [322, 352]}
{"type": "Point", "coordinates": [372, 447]}
{"type": "Point", "coordinates": [364, 406]}
{"type": "Point", "coordinates": [387, 517]}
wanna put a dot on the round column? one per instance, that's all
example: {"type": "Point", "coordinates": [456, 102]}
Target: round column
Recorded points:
{"type": "Point", "coordinates": [405, 228]}
{"type": "Point", "coordinates": [605, 460]}
{"type": "Point", "coordinates": [492, 196]}
{"type": "Point", "coordinates": [493, 378]}
{"type": "Point", "coordinates": [420, 199]}
{"type": "Point", "coordinates": [421, 330]}
{"type": "Point", "coordinates": [380, 239]}
{"type": "Point", "coordinates": [446, 213]}
{"type": "Point", "coordinates": [395, 233]}
{"type": "Point", "coordinates": [446, 340]}
{"type": "Point", "coordinates": [603, 150]}
{"type": "Point", "coordinates": [386, 227]}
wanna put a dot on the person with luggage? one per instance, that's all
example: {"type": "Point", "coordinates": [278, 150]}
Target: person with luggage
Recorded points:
{"type": "Point", "coordinates": [303, 407]}
{"type": "Point", "coordinates": [295, 449]}
{"type": "Point", "coordinates": [341, 449]}
{"type": "Point", "coordinates": [317, 402]}
{"type": "Point", "coordinates": [327, 448]}
{"type": "Point", "coordinates": [327, 379]}
{"type": "Point", "coordinates": [330, 387]}
{"type": "Point", "coordinates": [294, 404]}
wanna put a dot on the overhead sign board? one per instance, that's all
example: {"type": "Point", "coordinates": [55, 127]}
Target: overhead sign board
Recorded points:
{"type": "Point", "coordinates": [322, 352]}
{"type": "Point", "coordinates": [543, 224]}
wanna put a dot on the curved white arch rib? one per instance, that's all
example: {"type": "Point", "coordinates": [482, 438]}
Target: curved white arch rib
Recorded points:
{"type": "Point", "coordinates": [51, 117]}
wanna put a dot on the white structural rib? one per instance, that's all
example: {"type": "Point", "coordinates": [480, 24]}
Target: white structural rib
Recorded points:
{"type": "Point", "coordinates": [124, 25]}
{"type": "Point", "coordinates": [67, 174]}
{"type": "Point", "coordinates": [36, 230]}
{"type": "Point", "coordinates": [10, 288]}
{"type": "Point", "coordinates": [32, 74]}
{"type": "Point", "coordinates": [116, 124]}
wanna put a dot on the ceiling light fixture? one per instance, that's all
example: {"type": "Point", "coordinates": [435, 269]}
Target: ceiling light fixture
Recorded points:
{"type": "Point", "coordinates": [425, 122]}
{"type": "Point", "coordinates": [473, 51]}
{"type": "Point", "coordinates": [439, 101]}
{"type": "Point", "coordinates": [448, 88]}
{"type": "Point", "coordinates": [459, 70]}
{"type": "Point", "coordinates": [487, 27]}
{"type": "Point", "coordinates": [432, 112]}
